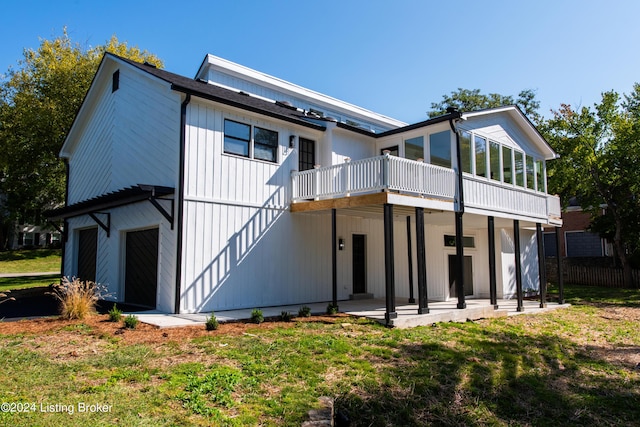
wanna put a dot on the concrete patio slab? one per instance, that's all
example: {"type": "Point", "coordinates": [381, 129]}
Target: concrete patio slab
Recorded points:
{"type": "Point", "coordinates": [370, 308]}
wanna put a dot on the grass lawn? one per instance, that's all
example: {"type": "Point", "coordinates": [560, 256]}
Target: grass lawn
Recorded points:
{"type": "Point", "coordinates": [14, 283]}
{"type": "Point", "coordinates": [574, 366]}
{"type": "Point", "coordinates": [30, 261]}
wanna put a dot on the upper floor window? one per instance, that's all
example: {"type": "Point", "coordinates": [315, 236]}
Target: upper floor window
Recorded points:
{"type": "Point", "coordinates": [519, 162]}
{"type": "Point", "coordinates": [481, 156]}
{"type": "Point", "coordinates": [440, 149]}
{"type": "Point", "coordinates": [494, 160]}
{"type": "Point", "coordinates": [531, 184]}
{"type": "Point", "coordinates": [414, 148]}
{"type": "Point", "coordinates": [507, 165]}
{"type": "Point", "coordinates": [540, 175]}
{"type": "Point", "coordinates": [237, 140]}
{"type": "Point", "coordinates": [265, 144]}
{"type": "Point", "coordinates": [466, 153]}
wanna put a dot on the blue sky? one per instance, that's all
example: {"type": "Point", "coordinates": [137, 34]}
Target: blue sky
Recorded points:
{"type": "Point", "coordinates": [392, 57]}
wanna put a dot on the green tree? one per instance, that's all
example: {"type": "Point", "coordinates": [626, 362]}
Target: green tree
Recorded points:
{"type": "Point", "coordinates": [599, 152]}
{"type": "Point", "coordinates": [473, 100]}
{"type": "Point", "coordinates": [38, 102]}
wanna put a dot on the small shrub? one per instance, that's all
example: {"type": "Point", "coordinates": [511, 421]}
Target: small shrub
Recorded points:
{"type": "Point", "coordinates": [115, 314]}
{"type": "Point", "coordinates": [304, 311]}
{"type": "Point", "coordinates": [131, 321]}
{"type": "Point", "coordinates": [332, 309]}
{"type": "Point", "coordinates": [77, 298]}
{"type": "Point", "coordinates": [256, 316]}
{"type": "Point", "coordinates": [285, 316]}
{"type": "Point", "coordinates": [212, 323]}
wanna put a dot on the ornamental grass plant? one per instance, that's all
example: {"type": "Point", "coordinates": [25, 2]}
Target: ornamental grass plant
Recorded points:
{"type": "Point", "coordinates": [77, 298]}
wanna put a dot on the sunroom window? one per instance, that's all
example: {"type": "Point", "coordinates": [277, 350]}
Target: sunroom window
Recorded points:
{"type": "Point", "coordinates": [507, 165]}
{"type": "Point", "coordinates": [494, 160]}
{"type": "Point", "coordinates": [531, 183]}
{"type": "Point", "coordinates": [519, 157]}
{"type": "Point", "coordinates": [481, 156]}
{"type": "Point", "coordinates": [414, 148]}
{"type": "Point", "coordinates": [466, 154]}
{"type": "Point", "coordinates": [440, 149]}
{"type": "Point", "coordinates": [540, 175]}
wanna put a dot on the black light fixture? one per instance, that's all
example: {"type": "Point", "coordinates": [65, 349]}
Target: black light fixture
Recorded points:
{"type": "Point", "coordinates": [292, 141]}
{"type": "Point", "coordinates": [340, 243]}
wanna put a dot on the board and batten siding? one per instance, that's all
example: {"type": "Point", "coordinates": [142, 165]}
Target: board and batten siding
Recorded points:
{"type": "Point", "coordinates": [132, 137]}
{"type": "Point", "coordinates": [505, 269]}
{"type": "Point", "coordinates": [110, 263]}
{"type": "Point", "coordinates": [242, 247]}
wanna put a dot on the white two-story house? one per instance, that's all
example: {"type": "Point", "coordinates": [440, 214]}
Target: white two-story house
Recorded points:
{"type": "Point", "coordinates": [236, 189]}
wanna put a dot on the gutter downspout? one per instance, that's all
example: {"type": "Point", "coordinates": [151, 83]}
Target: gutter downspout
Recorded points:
{"type": "Point", "coordinates": [459, 212]}
{"type": "Point", "coordinates": [65, 223]}
{"type": "Point", "coordinates": [179, 214]}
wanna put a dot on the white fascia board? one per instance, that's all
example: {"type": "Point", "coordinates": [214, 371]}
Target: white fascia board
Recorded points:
{"type": "Point", "coordinates": [276, 83]}
{"type": "Point", "coordinates": [526, 125]}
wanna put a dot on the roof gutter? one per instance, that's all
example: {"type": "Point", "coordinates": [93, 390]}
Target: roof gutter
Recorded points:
{"type": "Point", "coordinates": [180, 201]}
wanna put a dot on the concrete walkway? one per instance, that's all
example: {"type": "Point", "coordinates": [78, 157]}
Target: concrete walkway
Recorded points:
{"type": "Point", "coordinates": [38, 274]}
{"type": "Point", "coordinates": [369, 308]}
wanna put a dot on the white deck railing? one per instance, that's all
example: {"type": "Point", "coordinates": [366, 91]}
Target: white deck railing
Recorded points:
{"type": "Point", "coordinates": [374, 174]}
{"type": "Point", "coordinates": [412, 177]}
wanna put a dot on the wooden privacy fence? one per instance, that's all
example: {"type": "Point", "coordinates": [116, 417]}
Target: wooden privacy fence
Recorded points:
{"type": "Point", "coordinates": [597, 276]}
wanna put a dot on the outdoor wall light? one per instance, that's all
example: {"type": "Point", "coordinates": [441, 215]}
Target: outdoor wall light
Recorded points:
{"type": "Point", "coordinates": [292, 141]}
{"type": "Point", "coordinates": [340, 243]}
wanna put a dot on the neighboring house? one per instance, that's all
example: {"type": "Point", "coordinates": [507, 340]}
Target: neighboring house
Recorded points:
{"type": "Point", "coordinates": [238, 190]}
{"type": "Point", "coordinates": [576, 240]}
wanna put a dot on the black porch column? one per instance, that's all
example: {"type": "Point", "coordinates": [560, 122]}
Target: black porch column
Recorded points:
{"type": "Point", "coordinates": [493, 295]}
{"type": "Point", "coordinates": [516, 244]}
{"type": "Point", "coordinates": [560, 274]}
{"type": "Point", "coordinates": [542, 268]}
{"type": "Point", "coordinates": [334, 262]}
{"type": "Point", "coordinates": [388, 264]}
{"type": "Point", "coordinates": [412, 300]}
{"type": "Point", "coordinates": [460, 262]}
{"type": "Point", "coordinates": [422, 263]}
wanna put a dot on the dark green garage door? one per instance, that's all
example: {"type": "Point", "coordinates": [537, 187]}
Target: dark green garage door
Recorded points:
{"type": "Point", "coordinates": [141, 269]}
{"type": "Point", "coordinates": [87, 252]}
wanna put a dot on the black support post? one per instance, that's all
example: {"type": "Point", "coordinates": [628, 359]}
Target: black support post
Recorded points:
{"type": "Point", "coordinates": [460, 262]}
{"type": "Point", "coordinates": [412, 300]}
{"type": "Point", "coordinates": [388, 264]}
{"type": "Point", "coordinates": [493, 295]}
{"type": "Point", "coordinates": [334, 262]}
{"type": "Point", "coordinates": [516, 244]}
{"type": "Point", "coordinates": [560, 274]}
{"type": "Point", "coordinates": [542, 268]}
{"type": "Point", "coordinates": [422, 263]}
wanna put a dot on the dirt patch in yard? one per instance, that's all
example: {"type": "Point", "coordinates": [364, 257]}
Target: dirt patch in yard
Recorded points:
{"type": "Point", "coordinates": [98, 325]}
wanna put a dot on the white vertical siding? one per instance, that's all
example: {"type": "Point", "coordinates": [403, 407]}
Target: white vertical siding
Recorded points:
{"type": "Point", "coordinates": [110, 263]}
{"type": "Point", "coordinates": [528, 259]}
{"type": "Point", "coordinates": [132, 137]}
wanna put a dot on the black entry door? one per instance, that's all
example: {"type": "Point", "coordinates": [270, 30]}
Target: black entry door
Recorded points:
{"type": "Point", "coordinates": [307, 154]}
{"type": "Point", "coordinates": [87, 254]}
{"type": "Point", "coordinates": [468, 275]}
{"type": "Point", "coordinates": [141, 269]}
{"type": "Point", "coordinates": [359, 264]}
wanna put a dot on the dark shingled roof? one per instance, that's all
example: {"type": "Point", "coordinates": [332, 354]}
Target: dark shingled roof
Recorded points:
{"type": "Point", "coordinates": [225, 96]}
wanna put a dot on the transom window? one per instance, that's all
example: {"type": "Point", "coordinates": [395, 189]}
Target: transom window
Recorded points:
{"type": "Point", "coordinates": [238, 141]}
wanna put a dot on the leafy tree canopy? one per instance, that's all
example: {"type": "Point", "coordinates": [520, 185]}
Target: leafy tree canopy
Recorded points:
{"type": "Point", "coordinates": [599, 152]}
{"type": "Point", "coordinates": [473, 100]}
{"type": "Point", "coordinates": [38, 102]}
